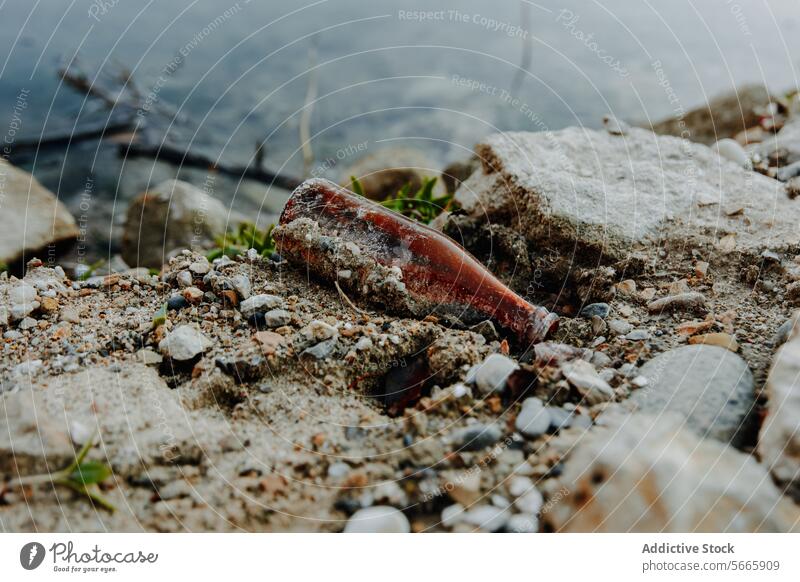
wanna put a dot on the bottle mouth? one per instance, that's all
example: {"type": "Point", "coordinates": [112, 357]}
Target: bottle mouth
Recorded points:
{"type": "Point", "coordinates": [542, 323]}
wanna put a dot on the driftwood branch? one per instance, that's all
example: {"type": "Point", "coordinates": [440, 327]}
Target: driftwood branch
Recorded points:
{"type": "Point", "coordinates": [126, 98]}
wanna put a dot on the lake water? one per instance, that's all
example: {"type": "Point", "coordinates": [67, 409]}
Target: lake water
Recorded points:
{"type": "Point", "coordinates": [431, 75]}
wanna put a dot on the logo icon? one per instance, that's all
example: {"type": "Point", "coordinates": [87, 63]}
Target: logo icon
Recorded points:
{"type": "Point", "coordinates": [31, 555]}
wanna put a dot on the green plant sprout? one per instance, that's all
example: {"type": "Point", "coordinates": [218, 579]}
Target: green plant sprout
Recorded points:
{"type": "Point", "coordinates": [239, 241]}
{"type": "Point", "coordinates": [82, 477]}
{"type": "Point", "coordinates": [421, 206]}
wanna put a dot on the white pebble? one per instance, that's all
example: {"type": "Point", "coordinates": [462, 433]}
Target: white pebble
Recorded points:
{"type": "Point", "coordinates": [378, 519]}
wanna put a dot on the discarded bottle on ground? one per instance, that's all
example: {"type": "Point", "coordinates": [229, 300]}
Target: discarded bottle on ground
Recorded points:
{"type": "Point", "coordinates": [408, 267]}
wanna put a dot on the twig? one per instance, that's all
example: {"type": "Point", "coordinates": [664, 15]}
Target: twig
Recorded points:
{"type": "Point", "coordinates": [173, 155]}
{"type": "Point", "coordinates": [344, 296]}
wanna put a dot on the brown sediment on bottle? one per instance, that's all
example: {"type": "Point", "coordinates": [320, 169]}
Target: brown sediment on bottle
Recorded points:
{"type": "Point", "coordinates": [391, 260]}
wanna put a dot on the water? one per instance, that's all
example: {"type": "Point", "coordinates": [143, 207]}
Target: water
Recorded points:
{"type": "Point", "coordinates": [237, 74]}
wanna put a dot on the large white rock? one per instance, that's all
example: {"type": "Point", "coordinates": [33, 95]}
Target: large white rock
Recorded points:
{"type": "Point", "coordinates": [31, 217]}
{"type": "Point", "coordinates": [779, 443]}
{"type": "Point", "coordinates": [184, 343]}
{"type": "Point", "coordinates": [594, 194]}
{"type": "Point", "coordinates": [646, 473]}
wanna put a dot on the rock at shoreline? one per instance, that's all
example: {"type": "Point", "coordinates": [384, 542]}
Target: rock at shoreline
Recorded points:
{"type": "Point", "coordinates": [597, 196]}
{"type": "Point", "coordinates": [780, 436]}
{"type": "Point", "coordinates": [709, 386]}
{"type": "Point", "coordinates": [646, 473]}
{"type": "Point", "coordinates": [173, 215]}
{"type": "Point", "coordinates": [31, 218]}
{"type": "Point", "coordinates": [723, 117]}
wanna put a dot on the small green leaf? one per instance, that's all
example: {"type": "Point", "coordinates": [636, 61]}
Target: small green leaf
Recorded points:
{"type": "Point", "coordinates": [356, 186]}
{"type": "Point", "coordinates": [90, 472]}
{"type": "Point", "coordinates": [160, 318]}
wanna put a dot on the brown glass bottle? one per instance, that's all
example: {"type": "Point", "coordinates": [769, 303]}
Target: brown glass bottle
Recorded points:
{"type": "Point", "coordinates": [398, 262]}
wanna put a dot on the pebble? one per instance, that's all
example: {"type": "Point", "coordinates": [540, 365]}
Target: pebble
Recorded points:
{"type": "Point", "coordinates": [530, 502]}
{"type": "Point", "coordinates": [487, 517]}
{"type": "Point", "coordinates": [177, 302]}
{"type": "Point", "coordinates": [584, 378]}
{"type": "Point", "coordinates": [200, 266]}
{"type": "Point", "coordinates": [148, 357]}
{"type": "Point", "coordinates": [619, 327]}
{"type": "Point", "coordinates": [27, 323]}
{"type": "Point", "coordinates": [259, 304]}
{"type": "Point", "coordinates": [363, 344]}
{"type": "Point", "coordinates": [70, 315]}
{"type": "Point", "coordinates": [492, 374]}
{"type": "Point", "coordinates": [637, 335]}
{"type": "Point", "coordinates": [184, 343]}
{"type": "Point", "coordinates": [241, 284]}
{"type": "Point", "coordinates": [318, 331]}
{"type": "Point", "coordinates": [277, 318]}
{"type": "Point", "coordinates": [4, 316]}
{"type": "Point", "coordinates": [338, 470]}
{"type": "Point", "coordinates": [722, 340]}
{"type": "Point", "coordinates": [452, 515]}
{"type": "Point", "coordinates": [559, 418]}
{"type": "Point", "coordinates": [601, 310]}
{"type": "Point", "coordinates": [321, 350]}
{"type": "Point", "coordinates": [533, 419]}
{"type": "Point", "coordinates": [627, 287]}
{"type": "Point", "coordinates": [378, 519]}
{"type": "Point", "coordinates": [477, 437]}
{"type": "Point", "coordinates": [184, 279]}
{"type": "Point", "coordinates": [520, 523]}
{"type": "Point", "coordinates": [692, 301]}
{"type": "Point", "coordinates": [519, 486]}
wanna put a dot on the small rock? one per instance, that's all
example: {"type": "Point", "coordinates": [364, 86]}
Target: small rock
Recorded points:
{"type": "Point", "coordinates": [637, 335]}
{"type": "Point", "coordinates": [184, 279]}
{"type": "Point", "coordinates": [722, 340]}
{"type": "Point", "coordinates": [519, 486]}
{"type": "Point", "coordinates": [627, 287]}
{"type": "Point", "coordinates": [692, 301]}
{"type": "Point", "coordinates": [70, 315]}
{"type": "Point", "coordinates": [520, 523]}
{"type": "Point", "coordinates": [184, 343]}
{"type": "Point", "coordinates": [193, 295]}
{"type": "Point", "coordinates": [277, 318]}
{"type": "Point", "coordinates": [177, 302]}
{"type": "Point", "coordinates": [200, 266]}
{"type": "Point", "coordinates": [600, 310]}
{"type": "Point", "coordinates": [27, 323]}
{"type": "Point", "coordinates": [452, 514]}
{"type": "Point", "coordinates": [258, 304]}
{"type": "Point", "coordinates": [477, 437]}
{"type": "Point", "coordinates": [584, 378]}
{"type": "Point", "coordinates": [363, 344]}
{"type": "Point", "coordinates": [487, 517]}
{"type": "Point", "coordinates": [269, 341]}
{"type": "Point", "coordinates": [492, 374]}
{"type": "Point", "coordinates": [241, 284]}
{"type": "Point", "coordinates": [321, 350]}
{"type": "Point", "coordinates": [701, 269]}
{"type": "Point", "coordinates": [533, 419]}
{"type": "Point", "coordinates": [619, 327]}
{"type": "Point", "coordinates": [378, 519]}
{"type": "Point", "coordinates": [530, 502]}
{"type": "Point", "coordinates": [559, 418]}
{"type": "Point", "coordinates": [318, 331]}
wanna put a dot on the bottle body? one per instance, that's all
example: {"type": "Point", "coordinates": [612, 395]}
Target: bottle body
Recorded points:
{"type": "Point", "coordinates": [396, 261]}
